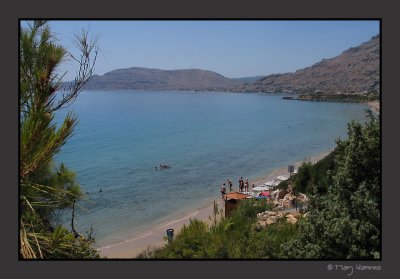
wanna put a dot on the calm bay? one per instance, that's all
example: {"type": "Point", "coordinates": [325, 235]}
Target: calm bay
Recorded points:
{"type": "Point", "coordinates": [205, 137]}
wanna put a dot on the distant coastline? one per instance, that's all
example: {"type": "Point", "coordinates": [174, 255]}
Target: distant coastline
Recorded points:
{"type": "Point", "coordinates": [369, 97]}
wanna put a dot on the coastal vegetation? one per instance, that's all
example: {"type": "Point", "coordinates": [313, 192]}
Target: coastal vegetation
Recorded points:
{"type": "Point", "coordinates": [45, 188]}
{"type": "Point", "coordinates": [338, 97]}
{"type": "Point", "coordinates": [345, 222]}
{"type": "Point", "coordinates": [342, 219]}
{"type": "Point", "coordinates": [231, 238]}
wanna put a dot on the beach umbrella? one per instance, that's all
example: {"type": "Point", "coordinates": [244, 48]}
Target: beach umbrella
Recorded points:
{"type": "Point", "coordinates": [260, 188]}
{"type": "Point", "coordinates": [270, 183]}
{"type": "Point", "coordinates": [283, 177]}
{"type": "Point", "coordinates": [265, 194]}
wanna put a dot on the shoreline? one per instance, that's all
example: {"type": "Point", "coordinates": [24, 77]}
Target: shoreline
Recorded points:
{"type": "Point", "coordinates": [154, 238]}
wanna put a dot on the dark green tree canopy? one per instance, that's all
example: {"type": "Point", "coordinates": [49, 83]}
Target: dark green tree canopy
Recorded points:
{"type": "Point", "coordinates": [345, 223]}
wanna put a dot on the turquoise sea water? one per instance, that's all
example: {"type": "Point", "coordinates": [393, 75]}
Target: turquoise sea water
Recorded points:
{"type": "Point", "coordinates": [205, 136]}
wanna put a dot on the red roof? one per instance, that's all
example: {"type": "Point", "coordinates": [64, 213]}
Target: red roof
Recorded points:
{"type": "Point", "coordinates": [236, 196]}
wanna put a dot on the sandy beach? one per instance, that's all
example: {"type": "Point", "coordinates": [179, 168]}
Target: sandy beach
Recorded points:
{"type": "Point", "coordinates": [155, 238]}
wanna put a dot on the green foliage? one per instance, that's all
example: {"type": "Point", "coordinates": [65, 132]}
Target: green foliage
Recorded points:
{"type": "Point", "coordinates": [190, 243]}
{"type": "Point", "coordinates": [275, 235]}
{"type": "Point", "coordinates": [318, 174]}
{"type": "Point", "coordinates": [234, 237]}
{"type": "Point", "coordinates": [304, 178]}
{"type": "Point", "coordinates": [63, 244]}
{"type": "Point", "coordinates": [313, 175]}
{"type": "Point", "coordinates": [345, 223]}
{"type": "Point", "coordinates": [43, 188]}
{"type": "Point", "coordinates": [47, 190]}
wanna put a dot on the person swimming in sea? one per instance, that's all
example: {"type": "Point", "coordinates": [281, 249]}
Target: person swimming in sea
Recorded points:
{"type": "Point", "coordinates": [164, 166]}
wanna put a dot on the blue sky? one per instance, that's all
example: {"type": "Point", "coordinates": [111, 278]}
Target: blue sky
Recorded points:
{"type": "Point", "coordinates": [235, 48]}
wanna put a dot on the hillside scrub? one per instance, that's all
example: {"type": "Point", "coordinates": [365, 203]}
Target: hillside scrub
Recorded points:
{"type": "Point", "coordinates": [344, 223]}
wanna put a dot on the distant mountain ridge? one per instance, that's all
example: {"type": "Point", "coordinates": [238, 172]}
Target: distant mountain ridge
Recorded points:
{"type": "Point", "coordinates": [155, 79]}
{"type": "Point", "coordinates": [356, 70]}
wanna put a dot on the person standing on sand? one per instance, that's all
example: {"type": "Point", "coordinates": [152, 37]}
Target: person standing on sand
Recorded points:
{"type": "Point", "coordinates": [241, 184]}
{"type": "Point", "coordinates": [223, 190]}
{"type": "Point", "coordinates": [230, 184]}
{"type": "Point", "coordinates": [246, 185]}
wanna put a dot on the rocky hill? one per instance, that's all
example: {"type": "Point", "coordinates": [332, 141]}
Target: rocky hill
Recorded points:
{"type": "Point", "coordinates": [356, 70]}
{"type": "Point", "coordinates": [248, 79]}
{"type": "Point", "coordinates": [154, 79]}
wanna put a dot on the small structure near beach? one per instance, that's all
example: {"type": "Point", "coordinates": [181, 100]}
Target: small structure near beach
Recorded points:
{"type": "Point", "coordinates": [232, 200]}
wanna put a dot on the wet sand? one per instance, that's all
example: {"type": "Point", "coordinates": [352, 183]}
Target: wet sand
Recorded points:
{"type": "Point", "coordinates": [155, 238]}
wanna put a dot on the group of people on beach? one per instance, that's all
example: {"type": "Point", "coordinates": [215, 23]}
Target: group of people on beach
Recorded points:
{"type": "Point", "coordinates": [223, 187]}
{"type": "Point", "coordinates": [243, 186]}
